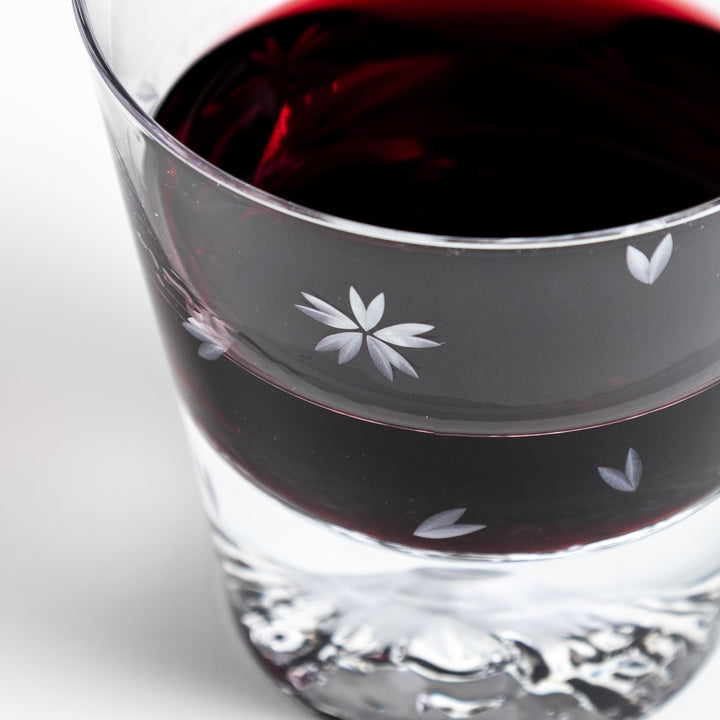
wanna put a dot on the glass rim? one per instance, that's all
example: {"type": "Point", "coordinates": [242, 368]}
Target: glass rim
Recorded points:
{"type": "Point", "coordinates": [404, 237]}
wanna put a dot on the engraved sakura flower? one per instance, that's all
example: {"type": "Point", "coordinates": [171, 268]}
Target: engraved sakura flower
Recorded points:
{"type": "Point", "coordinates": [213, 334]}
{"type": "Point", "coordinates": [362, 329]}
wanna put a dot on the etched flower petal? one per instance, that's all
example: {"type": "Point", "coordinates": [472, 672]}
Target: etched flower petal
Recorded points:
{"type": "Point", "coordinates": [336, 341]}
{"type": "Point", "coordinates": [358, 308]}
{"type": "Point", "coordinates": [404, 334]}
{"type": "Point", "coordinates": [348, 343]}
{"type": "Point", "coordinates": [350, 349]}
{"type": "Point", "coordinates": [319, 304]}
{"type": "Point", "coordinates": [449, 532]}
{"type": "Point", "coordinates": [633, 468]}
{"type": "Point", "coordinates": [336, 320]}
{"type": "Point", "coordinates": [197, 331]}
{"type": "Point", "coordinates": [377, 350]}
{"type": "Point", "coordinates": [616, 479]}
{"type": "Point", "coordinates": [211, 351]}
{"type": "Point", "coordinates": [392, 356]}
{"type": "Point", "coordinates": [442, 525]}
{"type": "Point", "coordinates": [638, 264]}
{"type": "Point", "coordinates": [325, 313]}
{"type": "Point", "coordinates": [398, 361]}
{"type": "Point", "coordinates": [660, 258]}
{"type": "Point", "coordinates": [446, 517]}
{"type": "Point", "coordinates": [375, 311]}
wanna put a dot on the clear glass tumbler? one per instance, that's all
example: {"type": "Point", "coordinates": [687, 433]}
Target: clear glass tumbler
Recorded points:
{"type": "Point", "coordinates": [447, 477]}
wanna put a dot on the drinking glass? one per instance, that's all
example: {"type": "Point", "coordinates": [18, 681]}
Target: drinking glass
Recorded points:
{"type": "Point", "coordinates": [446, 477]}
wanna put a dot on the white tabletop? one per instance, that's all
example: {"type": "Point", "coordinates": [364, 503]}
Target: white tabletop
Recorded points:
{"type": "Point", "coordinates": [111, 604]}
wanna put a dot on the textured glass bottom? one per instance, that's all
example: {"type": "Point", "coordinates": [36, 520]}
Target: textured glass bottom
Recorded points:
{"type": "Point", "coordinates": [361, 631]}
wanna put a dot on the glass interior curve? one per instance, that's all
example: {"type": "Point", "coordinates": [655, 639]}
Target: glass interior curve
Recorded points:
{"type": "Point", "coordinates": [150, 126]}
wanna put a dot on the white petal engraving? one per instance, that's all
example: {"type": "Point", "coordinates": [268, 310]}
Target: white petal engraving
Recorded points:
{"type": "Point", "coordinates": [627, 481]}
{"type": "Point", "coordinates": [616, 479]}
{"type": "Point", "coordinates": [326, 314]}
{"type": "Point", "coordinates": [392, 356]}
{"type": "Point", "coordinates": [446, 517]}
{"type": "Point", "coordinates": [633, 468]}
{"type": "Point", "coordinates": [336, 341]}
{"type": "Point", "coordinates": [648, 271]}
{"type": "Point", "coordinates": [358, 308]}
{"type": "Point", "coordinates": [404, 334]}
{"type": "Point", "coordinates": [321, 304]}
{"type": "Point", "coordinates": [638, 264]}
{"type": "Point", "coordinates": [375, 311]}
{"type": "Point", "coordinates": [350, 349]}
{"type": "Point", "coordinates": [348, 343]}
{"type": "Point", "coordinates": [398, 361]}
{"type": "Point", "coordinates": [325, 318]}
{"type": "Point", "coordinates": [210, 351]}
{"type": "Point", "coordinates": [377, 350]}
{"type": "Point", "coordinates": [197, 330]}
{"type": "Point", "coordinates": [661, 257]}
{"type": "Point", "coordinates": [443, 526]}
{"type": "Point", "coordinates": [449, 532]}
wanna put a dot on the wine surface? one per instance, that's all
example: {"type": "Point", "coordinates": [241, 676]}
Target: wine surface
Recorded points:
{"type": "Point", "coordinates": [465, 118]}
{"type": "Point", "coordinates": [482, 120]}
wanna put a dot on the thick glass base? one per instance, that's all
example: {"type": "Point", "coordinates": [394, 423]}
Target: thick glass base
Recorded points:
{"type": "Point", "coordinates": [365, 632]}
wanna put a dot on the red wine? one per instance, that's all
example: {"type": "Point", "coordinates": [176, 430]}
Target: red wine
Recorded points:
{"type": "Point", "coordinates": [460, 119]}
{"type": "Point", "coordinates": [465, 118]}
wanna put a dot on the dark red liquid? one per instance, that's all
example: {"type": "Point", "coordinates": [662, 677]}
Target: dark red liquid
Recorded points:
{"type": "Point", "coordinates": [465, 119]}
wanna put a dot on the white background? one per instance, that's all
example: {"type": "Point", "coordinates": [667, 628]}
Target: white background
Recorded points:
{"type": "Point", "coordinates": [110, 600]}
